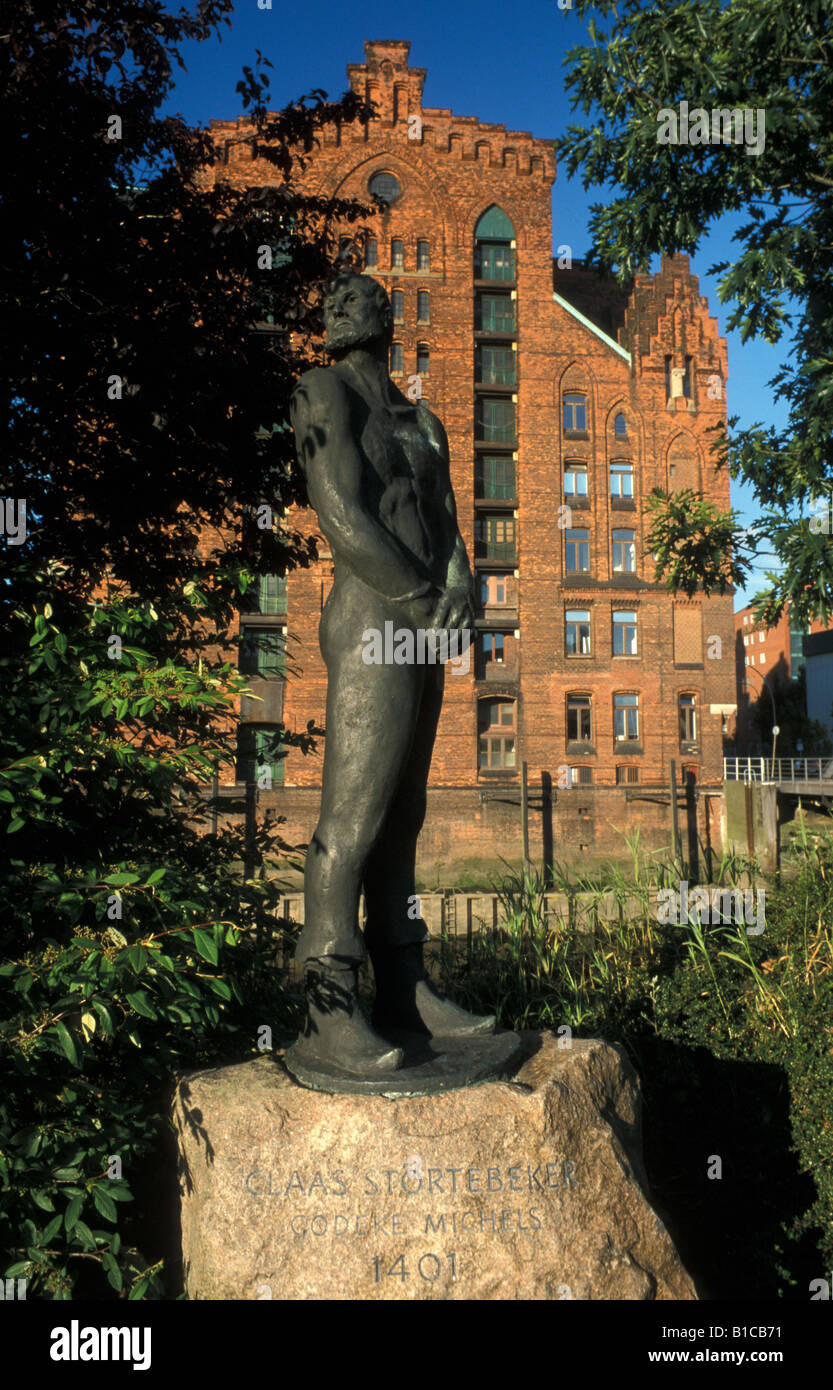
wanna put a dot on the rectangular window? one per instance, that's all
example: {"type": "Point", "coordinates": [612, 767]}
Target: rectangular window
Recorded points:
{"type": "Point", "coordinates": [396, 358]}
{"type": "Point", "coordinates": [626, 718]}
{"type": "Point", "coordinates": [493, 589]}
{"type": "Point", "coordinates": [575, 480]}
{"type": "Point", "coordinates": [259, 756]}
{"type": "Point", "coordinates": [688, 718]}
{"type": "Point", "coordinates": [621, 480]}
{"type": "Point", "coordinates": [577, 622]}
{"type": "Point", "coordinates": [495, 475]}
{"type": "Point", "coordinates": [492, 648]}
{"type": "Point", "coordinates": [397, 301]}
{"type": "Point", "coordinates": [575, 413]}
{"type": "Point", "coordinates": [397, 255]}
{"type": "Point", "coordinates": [626, 774]}
{"type": "Point", "coordinates": [271, 594]}
{"type": "Point", "coordinates": [262, 652]}
{"type": "Point", "coordinates": [624, 632]}
{"type": "Point", "coordinates": [495, 365]}
{"type": "Point", "coordinates": [423, 255]}
{"type": "Point", "coordinates": [579, 722]}
{"type": "Point", "coordinates": [577, 551]}
{"type": "Point", "coordinates": [494, 261]}
{"type": "Point", "coordinates": [372, 254]}
{"type": "Point", "coordinates": [624, 552]}
{"type": "Point", "coordinates": [495, 420]}
{"type": "Point", "coordinates": [496, 753]}
{"type": "Point", "coordinates": [494, 313]}
{"type": "Point", "coordinates": [423, 360]}
{"type": "Point", "coordinates": [423, 306]}
{"type": "Point", "coordinates": [495, 537]}
{"type": "Point", "coordinates": [496, 734]}
{"type": "Point", "coordinates": [581, 776]}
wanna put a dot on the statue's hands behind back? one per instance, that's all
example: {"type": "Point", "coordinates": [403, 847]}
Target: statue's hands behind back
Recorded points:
{"type": "Point", "coordinates": [455, 609]}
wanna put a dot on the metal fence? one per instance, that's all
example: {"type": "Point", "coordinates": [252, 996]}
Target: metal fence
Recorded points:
{"type": "Point", "coordinates": [813, 769]}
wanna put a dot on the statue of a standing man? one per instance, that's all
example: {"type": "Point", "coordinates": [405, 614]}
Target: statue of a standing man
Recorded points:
{"type": "Point", "coordinates": [377, 472]}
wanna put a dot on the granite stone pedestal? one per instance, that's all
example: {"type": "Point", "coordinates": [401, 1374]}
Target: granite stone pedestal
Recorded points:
{"type": "Point", "coordinates": [531, 1188]}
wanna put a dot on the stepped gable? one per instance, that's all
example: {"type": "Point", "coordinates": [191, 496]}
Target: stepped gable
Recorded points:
{"type": "Point", "coordinates": [667, 315]}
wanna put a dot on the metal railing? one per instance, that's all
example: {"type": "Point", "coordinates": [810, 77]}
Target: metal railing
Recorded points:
{"type": "Point", "coordinates": [812, 769]}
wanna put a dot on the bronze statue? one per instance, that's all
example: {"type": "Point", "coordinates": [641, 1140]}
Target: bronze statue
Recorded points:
{"type": "Point", "coordinates": [377, 472]}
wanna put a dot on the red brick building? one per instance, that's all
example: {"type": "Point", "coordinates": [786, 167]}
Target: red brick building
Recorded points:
{"type": "Point", "coordinates": [566, 400]}
{"type": "Point", "coordinates": [765, 657]}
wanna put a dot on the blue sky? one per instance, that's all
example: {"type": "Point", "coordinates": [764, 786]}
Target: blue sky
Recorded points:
{"type": "Point", "coordinates": [484, 58]}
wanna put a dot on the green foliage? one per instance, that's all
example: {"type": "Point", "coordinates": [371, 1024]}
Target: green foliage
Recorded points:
{"type": "Point", "coordinates": [699, 999]}
{"type": "Point", "coordinates": [692, 541]}
{"type": "Point", "coordinates": [143, 411]}
{"type": "Point", "coordinates": [774, 56]}
{"type": "Point", "coordinates": [129, 944]}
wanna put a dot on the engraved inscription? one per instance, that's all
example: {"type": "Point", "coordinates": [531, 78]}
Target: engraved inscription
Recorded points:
{"type": "Point", "coordinates": [415, 1200]}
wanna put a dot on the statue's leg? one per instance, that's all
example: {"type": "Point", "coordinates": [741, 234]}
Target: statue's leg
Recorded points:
{"type": "Point", "coordinates": [406, 1001]}
{"type": "Point", "coordinates": [389, 883]}
{"type": "Point", "coordinates": [371, 711]}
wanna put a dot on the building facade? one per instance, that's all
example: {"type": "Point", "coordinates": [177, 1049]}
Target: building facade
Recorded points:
{"type": "Point", "coordinates": [566, 400]}
{"type": "Point", "coordinates": [767, 658]}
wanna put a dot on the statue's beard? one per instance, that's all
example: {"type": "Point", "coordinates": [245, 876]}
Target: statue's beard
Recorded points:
{"type": "Point", "coordinates": [344, 337]}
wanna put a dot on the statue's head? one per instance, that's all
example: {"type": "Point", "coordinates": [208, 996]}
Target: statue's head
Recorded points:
{"type": "Point", "coordinates": [357, 313]}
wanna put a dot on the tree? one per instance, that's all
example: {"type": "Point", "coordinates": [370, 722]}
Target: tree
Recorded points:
{"type": "Point", "coordinates": [144, 414]}
{"type": "Point", "coordinates": [761, 73]}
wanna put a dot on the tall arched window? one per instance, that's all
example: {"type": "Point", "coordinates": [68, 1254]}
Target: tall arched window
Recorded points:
{"type": "Point", "coordinates": [494, 256]}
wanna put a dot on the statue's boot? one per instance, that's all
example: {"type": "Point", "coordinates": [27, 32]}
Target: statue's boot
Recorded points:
{"type": "Point", "coordinates": [336, 1031]}
{"type": "Point", "coordinates": [407, 1001]}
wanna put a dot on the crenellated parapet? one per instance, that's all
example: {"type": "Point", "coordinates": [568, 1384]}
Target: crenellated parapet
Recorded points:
{"type": "Point", "coordinates": [395, 89]}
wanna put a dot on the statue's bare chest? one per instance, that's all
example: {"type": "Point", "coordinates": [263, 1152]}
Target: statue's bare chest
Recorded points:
{"type": "Point", "coordinates": [399, 451]}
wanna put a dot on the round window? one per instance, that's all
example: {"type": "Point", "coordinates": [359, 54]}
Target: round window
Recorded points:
{"type": "Point", "coordinates": [386, 185]}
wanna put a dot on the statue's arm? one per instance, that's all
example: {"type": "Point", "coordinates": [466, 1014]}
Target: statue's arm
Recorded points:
{"type": "Point", "coordinates": [320, 414]}
{"type": "Point", "coordinates": [456, 607]}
